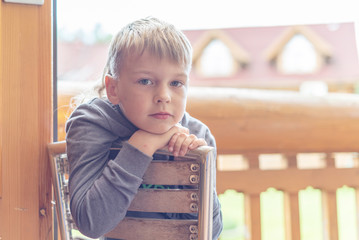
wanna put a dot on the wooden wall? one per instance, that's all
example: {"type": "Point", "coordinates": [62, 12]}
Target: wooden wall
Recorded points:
{"type": "Point", "coordinates": [25, 118]}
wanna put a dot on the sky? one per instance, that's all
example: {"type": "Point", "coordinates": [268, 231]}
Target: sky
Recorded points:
{"type": "Point", "coordinates": [198, 14]}
{"type": "Point", "coordinates": [112, 15]}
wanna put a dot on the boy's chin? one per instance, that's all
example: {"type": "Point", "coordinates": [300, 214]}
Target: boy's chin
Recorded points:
{"type": "Point", "coordinates": [158, 131]}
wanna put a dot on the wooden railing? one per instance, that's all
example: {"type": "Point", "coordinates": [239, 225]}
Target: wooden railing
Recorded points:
{"type": "Point", "coordinates": [305, 135]}
{"type": "Point", "coordinates": [282, 140]}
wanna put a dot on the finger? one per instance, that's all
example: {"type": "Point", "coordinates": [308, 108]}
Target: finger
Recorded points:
{"type": "Point", "coordinates": [172, 135]}
{"type": "Point", "coordinates": [186, 143]}
{"type": "Point", "coordinates": [178, 144]}
{"type": "Point", "coordinates": [197, 143]}
{"type": "Point", "coordinates": [172, 142]}
{"type": "Point", "coordinates": [184, 130]}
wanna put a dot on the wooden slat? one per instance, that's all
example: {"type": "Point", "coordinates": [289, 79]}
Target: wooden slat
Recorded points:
{"type": "Point", "coordinates": [152, 229]}
{"type": "Point", "coordinates": [330, 216]}
{"type": "Point", "coordinates": [256, 181]}
{"type": "Point", "coordinates": [291, 160]}
{"type": "Point", "coordinates": [357, 212]}
{"type": "Point", "coordinates": [253, 216]}
{"type": "Point", "coordinates": [330, 160]}
{"type": "Point", "coordinates": [291, 205]}
{"type": "Point", "coordinates": [159, 200]}
{"type": "Point", "coordinates": [253, 160]}
{"type": "Point", "coordinates": [169, 173]}
{"type": "Point", "coordinates": [291, 213]}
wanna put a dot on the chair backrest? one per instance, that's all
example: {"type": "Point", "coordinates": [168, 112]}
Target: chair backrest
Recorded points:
{"type": "Point", "coordinates": [193, 172]}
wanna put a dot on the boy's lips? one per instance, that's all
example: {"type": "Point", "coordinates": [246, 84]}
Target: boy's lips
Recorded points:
{"type": "Point", "coordinates": [161, 115]}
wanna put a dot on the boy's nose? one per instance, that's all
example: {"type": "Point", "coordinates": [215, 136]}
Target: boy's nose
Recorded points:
{"type": "Point", "coordinates": [162, 97]}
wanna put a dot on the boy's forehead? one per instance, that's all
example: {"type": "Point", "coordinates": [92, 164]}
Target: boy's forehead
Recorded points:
{"type": "Point", "coordinates": [137, 56]}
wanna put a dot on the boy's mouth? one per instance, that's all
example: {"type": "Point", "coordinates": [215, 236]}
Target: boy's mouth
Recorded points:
{"type": "Point", "coordinates": [161, 115]}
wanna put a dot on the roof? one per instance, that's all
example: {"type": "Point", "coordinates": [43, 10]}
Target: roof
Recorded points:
{"type": "Point", "coordinates": [256, 47]}
{"type": "Point", "coordinates": [263, 43]}
{"type": "Point", "coordinates": [320, 44]}
{"type": "Point", "coordinates": [239, 54]}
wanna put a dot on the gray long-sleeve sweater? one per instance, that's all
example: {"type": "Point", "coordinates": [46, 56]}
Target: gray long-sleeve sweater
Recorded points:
{"type": "Point", "coordinates": [101, 188]}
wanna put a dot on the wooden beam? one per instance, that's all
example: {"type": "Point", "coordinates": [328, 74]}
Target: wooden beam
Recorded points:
{"type": "Point", "coordinates": [292, 180]}
{"type": "Point", "coordinates": [26, 116]}
{"type": "Point", "coordinates": [244, 120]}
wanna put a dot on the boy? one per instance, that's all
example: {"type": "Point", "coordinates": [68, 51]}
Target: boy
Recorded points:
{"type": "Point", "coordinates": [146, 80]}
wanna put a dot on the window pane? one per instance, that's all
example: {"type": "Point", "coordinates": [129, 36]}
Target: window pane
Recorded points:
{"type": "Point", "coordinates": [299, 56]}
{"type": "Point", "coordinates": [216, 60]}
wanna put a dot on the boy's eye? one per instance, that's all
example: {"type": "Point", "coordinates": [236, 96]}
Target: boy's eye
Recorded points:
{"type": "Point", "coordinates": [145, 82]}
{"type": "Point", "coordinates": [176, 83]}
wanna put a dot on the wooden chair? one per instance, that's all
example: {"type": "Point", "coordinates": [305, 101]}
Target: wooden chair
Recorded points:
{"type": "Point", "coordinates": [193, 171]}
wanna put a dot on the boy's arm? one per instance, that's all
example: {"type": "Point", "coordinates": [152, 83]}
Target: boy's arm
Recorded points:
{"type": "Point", "coordinates": [101, 190]}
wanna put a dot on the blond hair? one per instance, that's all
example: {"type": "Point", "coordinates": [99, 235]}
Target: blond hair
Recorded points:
{"type": "Point", "coordinates": [161, 39]}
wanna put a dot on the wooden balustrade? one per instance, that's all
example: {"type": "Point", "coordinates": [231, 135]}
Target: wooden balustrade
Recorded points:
{"type": "Point", "coordinates": [254, 123]}
{"type": "Point", "coordinates": [250, 124]}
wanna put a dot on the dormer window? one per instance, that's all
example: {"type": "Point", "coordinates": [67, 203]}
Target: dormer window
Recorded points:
{"type": "Point", "coordinates": [216, 60]}
{"type": "Point", "coordinates": [299, 50]}
{"type": "Point", "coordinates": [298, 56]}
{"type": "Point", "coordinates": [216, 54]}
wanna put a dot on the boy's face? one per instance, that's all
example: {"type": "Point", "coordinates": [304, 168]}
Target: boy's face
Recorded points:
{"type": "Point", "coordinates": [151, 92]}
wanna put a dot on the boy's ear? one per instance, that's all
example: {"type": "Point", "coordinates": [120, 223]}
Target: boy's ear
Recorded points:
{"type": "Point", "coordinates": [111, 89]}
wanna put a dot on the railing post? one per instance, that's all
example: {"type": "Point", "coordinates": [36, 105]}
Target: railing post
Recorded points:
{"type": "Point", "coordinates": [357, 212]}
{"type": "Point", "coordinates": [253, 216]}
{"type": "Point", "coordinates": [330, 216]}
{"type": "Point", "coordinates": [291, 214]}
{"type": "Point", "coordinates": [291, 204]}
{"type": "Point", "coordinates": [252, 204]}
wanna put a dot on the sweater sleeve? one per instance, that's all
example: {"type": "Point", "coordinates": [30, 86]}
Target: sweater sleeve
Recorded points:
{"type": "Point", "coordinates": [101, 190]}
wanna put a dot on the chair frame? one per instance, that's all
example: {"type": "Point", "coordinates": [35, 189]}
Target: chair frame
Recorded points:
{"type": "Point", "coordinates": [204, 156]}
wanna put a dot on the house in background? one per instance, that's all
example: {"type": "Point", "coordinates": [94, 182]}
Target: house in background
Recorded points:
{"type": "Point", "coordinates": [281, 57]}
{"type": "Point", "coordinates": [322, 57]}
